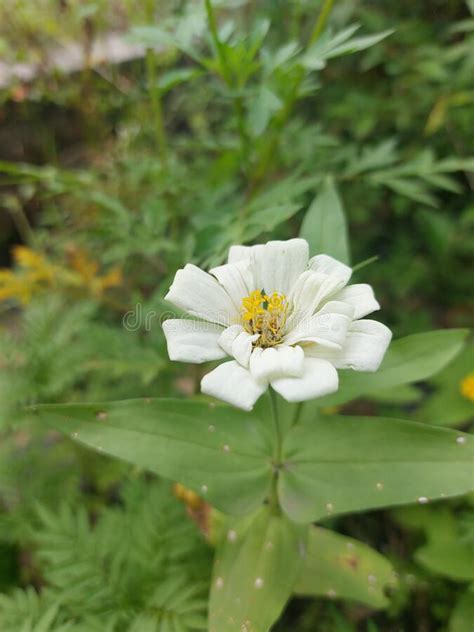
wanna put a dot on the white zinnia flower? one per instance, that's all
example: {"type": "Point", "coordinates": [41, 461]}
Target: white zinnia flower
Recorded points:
{"type": "Point", "coordinates": [285, 322]}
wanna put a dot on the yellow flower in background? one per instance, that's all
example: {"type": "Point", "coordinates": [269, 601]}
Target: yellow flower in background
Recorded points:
{"type": "Point", "coordinates": [467, 387]}
{"type": "Point", "coordinates": [13, 287]}
{"type": "Point", "coordinates": [34, 273]}
{"type": "Point", "coordinates": [87, 272]}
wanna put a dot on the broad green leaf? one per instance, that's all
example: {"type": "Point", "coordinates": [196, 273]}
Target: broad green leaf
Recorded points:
{"type": "Point", "coordinates": [404, 394]}
{"type": "Point", "coordinates": [463, 613]}
{"type": "Point", "coordinates": [407, 360]}
{"type": "Point", "coordinates": [221, 453]}
{"type": "Point", "coordinates": [324, 225]}
{"type": "Point", "coordinates": [451, 558]}
{"type": "Point", "coordinates": [256, 567]}
{"type": "Point", "coordinates": [338, 566]}
{"type": "Point", "coordinates": [334, 465]}
{"type": "Point", "coordinates": [447, 405]}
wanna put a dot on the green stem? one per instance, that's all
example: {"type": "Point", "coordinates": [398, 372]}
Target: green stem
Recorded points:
{"type": "Point", "coordinates": [298, 411]}
{"type": "Point", "coordinates": [276, 423]}
{"type": "Point", "coordinates": [274, 504]}
{"type": "Point", "coordinates": [321, 21]}
{"type": "Point", "coordinates": [220, 50]}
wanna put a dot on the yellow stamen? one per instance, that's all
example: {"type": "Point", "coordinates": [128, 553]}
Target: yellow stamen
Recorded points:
{"type": "Point", "coordinates": [266, 316]}
{"type": "Point", "coordinates": [467, 387]}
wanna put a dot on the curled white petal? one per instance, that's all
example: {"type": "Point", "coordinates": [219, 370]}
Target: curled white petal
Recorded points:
{"type": "Point", "coordinates": [327, 327]}
{"type": "Point", "coordinates": [319, 378]}
{"type": "Point", "coordinates": [233, 384]}
{"type": "Point", "coordinates": [364, 349]}
{"type": "Point", "coordinates": [330, 266]}
{"type": "Point", "coordinates": [361, 297]}
{"type": "Point", "coordinates": [236, 342]}
{"type": "Point", "coordinates": [274, 362]}
{"type": "Point", "coordinates": [201, 295]}
{"type": "Point", "coordinates": [311, 290]}
{"type": "Point", "coordinates": [192, 341]}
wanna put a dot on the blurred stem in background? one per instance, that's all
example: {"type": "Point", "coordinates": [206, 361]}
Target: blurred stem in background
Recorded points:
{"type": "Point", "coordinates": [155, 92]}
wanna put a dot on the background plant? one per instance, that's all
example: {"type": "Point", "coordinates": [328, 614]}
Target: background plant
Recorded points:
{"type": "Point", "coordinates": [222, 134]}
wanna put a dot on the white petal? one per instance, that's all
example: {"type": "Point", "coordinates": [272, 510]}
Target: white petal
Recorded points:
{"type": "Point", "coordinates": [192, 340]}
{"type": "Point", "coordinates": [329, 265]}
{"type": "Point", "coordinates": [278, 264]}
{"type": "Point", "coordinates": [310, 291]}
{"type": "Point", "coordinates": [233, 384]}
{"type": "Point", "coordinates": [240, 253]}
{"type": "Point", "coordinates": [228, 336]}
{"type": "Point", "coordinates": [237, 280]}
{"type": "Point", "coordinates": [364, 349]}
{"type": "Point", "coordinates": [200, 294]}
{"type": "Point", "coordinates": [274, 362]}
{"type": "Point", "coordinates": [319, 378]}
{"type": "Point", "coordinates": [237, 342]}
{"type": "Point", "coordinates": [327, 327]}
{"type": "Point", "coordinates": [361, 297]}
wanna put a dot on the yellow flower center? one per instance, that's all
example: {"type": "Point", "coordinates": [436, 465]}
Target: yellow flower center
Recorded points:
{"type": "Point", "coordinates": [265, 315]}
{"type": "Point", "coordinates": [467, 387]}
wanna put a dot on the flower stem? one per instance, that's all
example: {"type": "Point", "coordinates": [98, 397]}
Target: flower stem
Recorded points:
{"type": "Point", "coordinates": [273, 500]}
{"type": "Point", "coordinates": [276, 422]}
{"type": "Point", "coordinates": [298, 411]}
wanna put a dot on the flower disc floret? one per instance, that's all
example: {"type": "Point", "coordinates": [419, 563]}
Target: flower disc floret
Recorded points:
{"type": "Point", "coordinates": [266, 316]}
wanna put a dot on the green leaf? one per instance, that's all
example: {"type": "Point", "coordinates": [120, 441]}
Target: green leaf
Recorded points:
{"type": "Point", "coordinates": [324, 225]}
{"type": "Point", "coordinates": [338, 566]}
{"type": "Point", "coordinates": [446, 553]}
{"type": "Point", "coordinates": [358, 43]}
{"type": "Point", "coordinates": [341, 464]}
{"type": "Point", "coordinates": [407, 360]}
{"type": "Point", "coordinates": [405, 394]}
{"type": "Point", "coordinates": [221, 453]}
{"type": "Point", "coordinates": [257, 563]}
{"type": "Point", "coordinates": [262, 110]}
{"type": "Point", "coordinates": [172, 78]}
{"type": "Point", "coordinates": [315, 56]}
{"type": "Point", "coordinates": [463, 613]}
{"type": "Point", "coordinates": [447, 406]}
{"type": "Point", "coordinates": [329, 46]}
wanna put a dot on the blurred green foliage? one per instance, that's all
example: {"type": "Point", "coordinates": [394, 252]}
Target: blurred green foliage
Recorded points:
{"type": "Point", "coordinates": [116, 175]}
